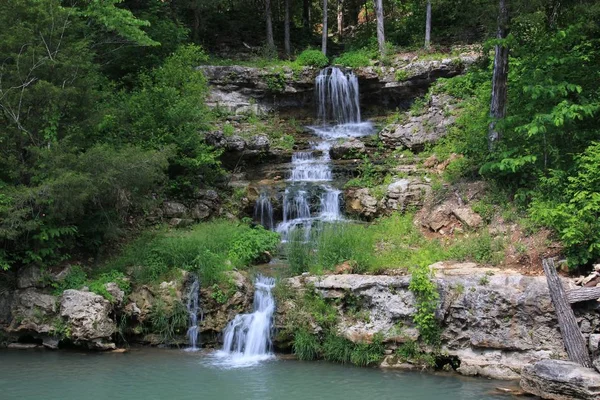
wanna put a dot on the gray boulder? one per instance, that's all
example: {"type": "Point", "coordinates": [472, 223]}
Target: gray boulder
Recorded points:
{"type": "Point", "coordinates": [215, 139]}
{"type": "Point", "coordinates": [33, 312]}
{"type": "Point", "coordinates": [259, 142]}
{"type": "Point", "coordinates": [351, 148]}
{"type": "Point", "coordinates": [29, 276]}
{"type": "Point", "coordinates": [172, 209]}
{"type": "Point", "coordinates": [560, 380]}
{"type": "Point", "coordinates": [88, 317]}
{"type": "Point", "coordinates": [235, 143]}
{"type": "Point", "coordinates": [420, 130]}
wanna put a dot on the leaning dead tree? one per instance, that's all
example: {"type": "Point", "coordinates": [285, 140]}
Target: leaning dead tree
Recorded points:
{"type": "Point", "coordinates": [572, 337]}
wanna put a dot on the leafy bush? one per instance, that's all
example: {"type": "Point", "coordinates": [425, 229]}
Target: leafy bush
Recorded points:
{"type": "Point", "coordinates": [208, 249]}
{"type": "Point", "coordinates": [353, 59]}
{"type": "Point", "coordinates": [168, 321]}
{"type": "Point", "coordinates": [574, 214]}
{"type": "Point", "coordinates": [312, 58]}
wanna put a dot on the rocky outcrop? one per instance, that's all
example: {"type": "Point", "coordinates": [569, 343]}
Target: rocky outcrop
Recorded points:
{"type": "Point", "coordinates": [495, 322]}
{"type": "Point", "coordinates": [421, 130]}
{"type": "Point", "coordinates": [247, 90]}
{"type": "Point", "coordinates": [88, 317]}
{"type": "Point", "coordinates": [352, 148]}
{"type": "Point", "coordinates": [33, 313]}
{"type": "Point", "coordinates": [560, 380]}
{"type": "Point", "coordinates": [206, 203]}
{"type": "Point", "coordinates": [397, 196]}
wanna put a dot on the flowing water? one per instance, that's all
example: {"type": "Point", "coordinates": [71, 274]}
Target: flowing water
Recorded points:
{"type": "Point", "coordinates": [263, 211]}
{"type": "Point", "coordinates": [193, 307]}
{"type": "Point", "coordinates": [154, 374]}
{"type": "Point", "coordinates": [247, 338]}
{"type": "Point", "coordinates": [310, 196]}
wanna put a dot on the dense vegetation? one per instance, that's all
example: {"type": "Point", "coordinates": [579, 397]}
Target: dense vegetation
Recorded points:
{"type": "Point", "coordinates": [103, 115]}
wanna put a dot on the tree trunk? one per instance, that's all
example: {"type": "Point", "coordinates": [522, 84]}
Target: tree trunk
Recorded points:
{"type": "Point", "coordinates": [324, 41]}
{"type": "Point", "coordinates": [380, 29]}
{"type": "Point", "coordinates": [270, 40]}
{"type": "Point", "coordinates": [306, 15]}
{"type": "Point", "coordinates": [340, 18]}
{"type": "Point", "coordinates": [428, 26]}
{"type": "Point", "coordinates": [572, 337]}
{"type": "Point", "coordinates": [583, 294]}
{"type": "Point", "coordinates": [500, 78]}
{"type": "Point", "coordinates": [286, 33]}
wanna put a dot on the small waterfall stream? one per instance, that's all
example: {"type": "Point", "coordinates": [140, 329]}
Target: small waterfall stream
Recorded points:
{"type": "Point", "coordinates": [263, 211]}
{"type": "Point", "coordinates": [193, 307]}
{"type": "Point", "coordinates": [247, 338]}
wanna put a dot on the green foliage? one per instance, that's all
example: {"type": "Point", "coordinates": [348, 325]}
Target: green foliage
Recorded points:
{"type": "Point", "coordinates": [353, 59]}
{"type": "Point", "coordinates": [426, 296]}
{"type": "Point", "coordinates": [168, 320]}
{"type": "Point", "coordinates": [276, 82]}
{"type": "Point", "coordinates": [312, 58]}
{"type": "Point", "coordinates": [410, 352]}
{"type": "Point", "coordinates": [306, 345]}
{"type": "Point", "coordinates": [575, 213]}
{"type": "Point", "coordinates": [208, 249]}
{"type": "Point", "coordinates": [78, 278]}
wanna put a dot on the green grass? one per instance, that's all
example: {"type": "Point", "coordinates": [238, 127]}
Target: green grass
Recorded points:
{"type": "Point", "coordinates": [208, 249]}
{"type": "Point", "coordinates": [388, 243]}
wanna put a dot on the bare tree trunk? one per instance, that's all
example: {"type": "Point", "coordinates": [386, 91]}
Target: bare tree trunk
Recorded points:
{"type": "Point", "coordinates": [583, 294]}
{"type": "Point", "coordinates": [500, 78]}
{"type": "Point", "coordinates": [572, 337]}
{"type": "Point", "coordinates": [286, 27]}
{"type": "Point", "coordinates": [270, 40]}
{"type": "Point", "coordinates": [380, 28]}
{"type": "Point", "coordinates": [306, 15]}
{"type": "Point", "coordinates": [340, 18]}
{"type": "Point", "coordinates": [324, 41]}
{"type": "Point", "coordinates": [428, 26]}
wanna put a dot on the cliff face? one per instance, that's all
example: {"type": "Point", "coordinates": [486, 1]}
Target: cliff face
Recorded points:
{"type": "Point", "coordinates": [242, 90]}
{"type": "Point", "coordinates": [493, 321]}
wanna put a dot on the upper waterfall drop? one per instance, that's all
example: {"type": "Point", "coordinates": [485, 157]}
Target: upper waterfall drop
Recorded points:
{"type": "Point", "coordinates": [338, 96]}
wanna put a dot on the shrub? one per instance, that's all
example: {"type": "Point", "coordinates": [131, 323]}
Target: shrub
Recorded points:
{"type": "Point", "coordinates": [208, 249]}
{"type": "Point", "coordinates": [306, 345]}
{"type": "Point", "coordinates": [312, 58]}
{"type": "Point", "coordinates": [353, 59]}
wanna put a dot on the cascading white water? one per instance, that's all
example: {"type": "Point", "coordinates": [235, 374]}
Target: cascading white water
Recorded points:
{"type": "Point", "coordinates": [338, 96]}
{"type": "Point", "coordinates": [311, 175]}
{"type": "Point", "coordinates": [247, 338]}
{"type": "Point", "coordinates": [193, 307]}
{"type": "Point", "coordinates": [263, 211]}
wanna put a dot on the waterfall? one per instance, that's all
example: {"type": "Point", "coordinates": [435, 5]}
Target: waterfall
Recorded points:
{"type": "Point", "coordinates": [263, 211]}
{"type": "Point", "coordinates": [311, 175]}
{"type": "Point", "coordinates": [193, 307]}
{"type": "Point", "coordinates": [338, 96]}
{"type": "Point", "coordinates": [247, 337]}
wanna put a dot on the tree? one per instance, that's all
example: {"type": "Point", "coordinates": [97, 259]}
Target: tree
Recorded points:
{"type": "Point", "coordinates": [324, 39]}
{"type": "Point", "coordinates": [340, 18]}
{"type": "Point", "coordinates": [286, 27]}
{"type": "Point", "coordinates": [380, 28]}
{"type": "Point", "coordinates": [269, 21]}
{"type": "Point", "coordinates": [500, 77]}
{"type": "Point", "coordinates": [306, 15]}
{"type": "Point", "coordinates": [428, 26]}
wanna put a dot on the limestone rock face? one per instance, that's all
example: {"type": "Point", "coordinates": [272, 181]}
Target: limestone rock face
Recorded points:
{"type": "Point", "coordinates": [398, 196]}
{"type": "Point", "coordinates": [350, 148]}
{"type": "Point", "coordinates": [88, 316]}
{"type": "Point", "coordinates": [560, 380]}
{"type": "Point", "coordinates": [30, 276]}
{"type": "Point", "coordinates": [32, 312]}
{"type": "Point", "coordinates": [494, 321]}
{"type": "Point", "coordinates": [259, 142]}
{"type": "Point", "coordinates": [423, 129]}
